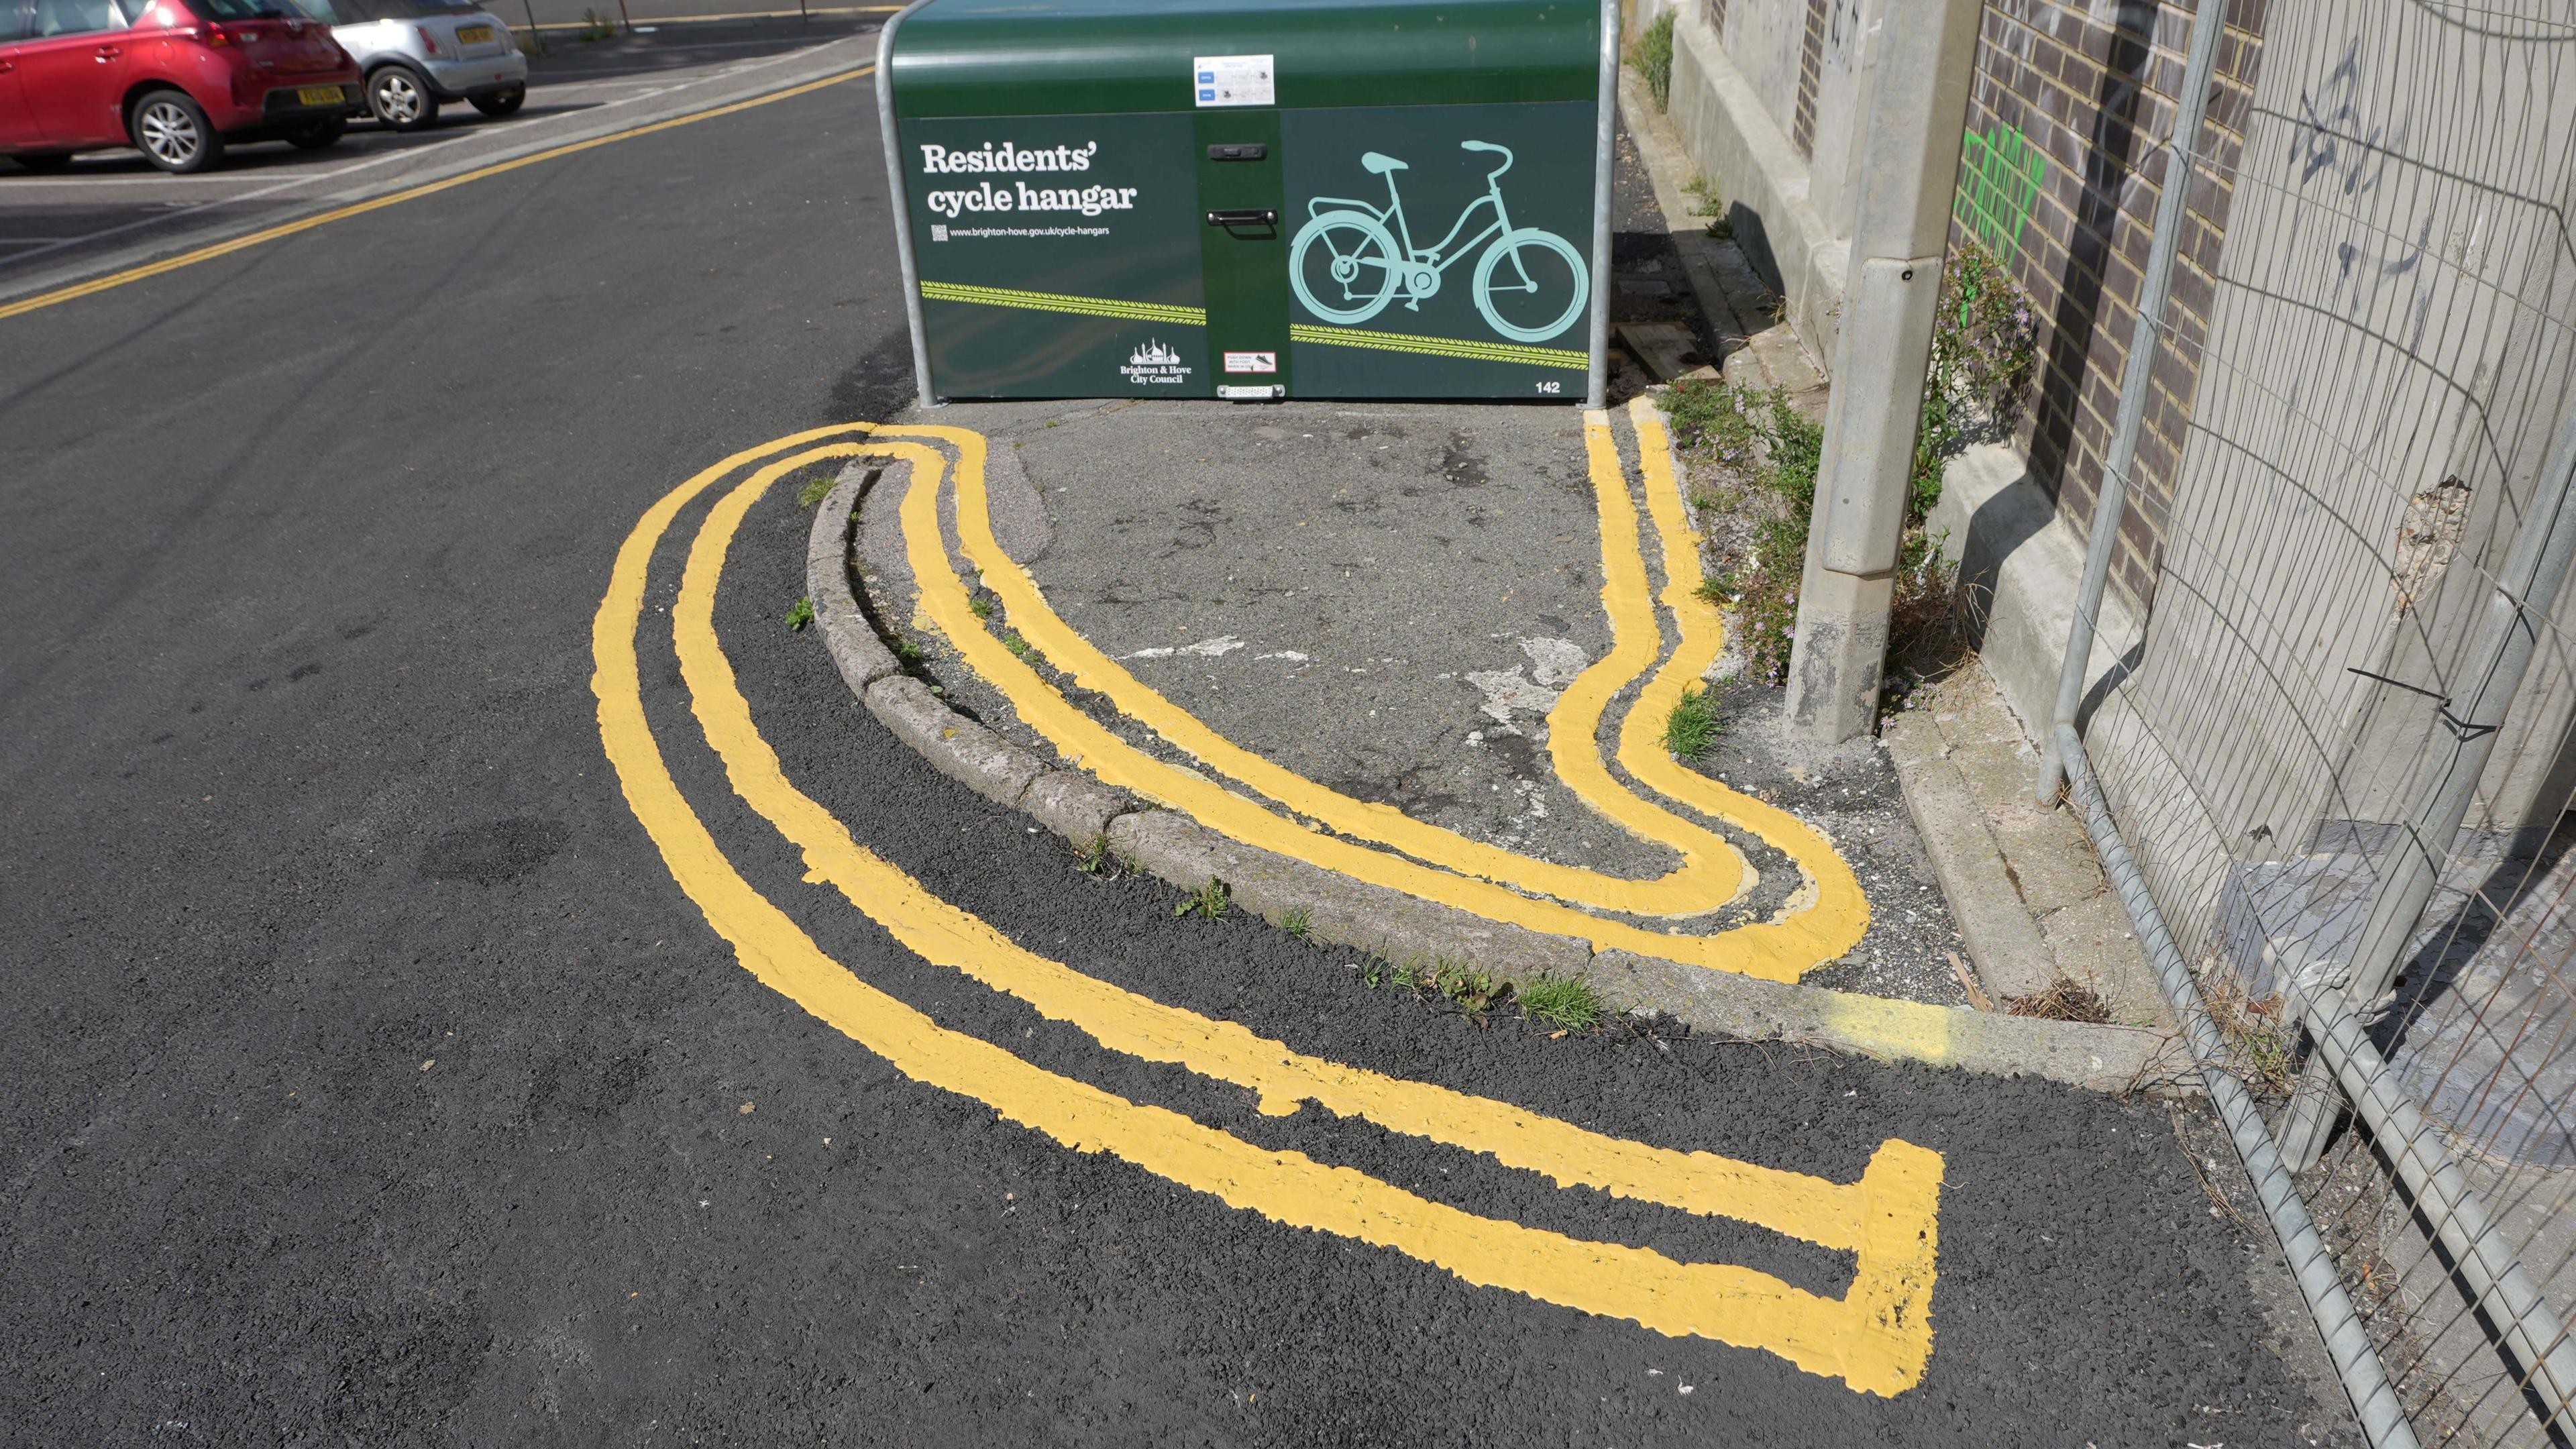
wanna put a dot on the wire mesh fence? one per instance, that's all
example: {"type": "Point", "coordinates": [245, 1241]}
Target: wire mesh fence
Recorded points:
{"type": "Point", "coordinates": [2353, 625]}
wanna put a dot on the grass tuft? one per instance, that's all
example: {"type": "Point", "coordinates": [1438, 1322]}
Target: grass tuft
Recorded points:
{"type": "Point", "coordinates": [2066, 999]}
{"type": "Point", "coordinates": [1565, 1002]}
{"type": "Point", "coordinates": [1208, 902]}
{"type": "Point", "coordinates": [816, 488]}
{"type": "Point", "coordinates": [1692, 726]}
{"type": "Point", "coordinates": [1652, 55]}
{"type": "Point", "coordinates": [1092, 856]}
{"type": "Point", "coordinates": [1297, 921]}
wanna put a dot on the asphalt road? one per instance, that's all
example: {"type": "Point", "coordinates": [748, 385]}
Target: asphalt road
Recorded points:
{"type": "Point", "coordinates": [369, 1080]}
{"type": "Point", "coordinates": [112, 199]}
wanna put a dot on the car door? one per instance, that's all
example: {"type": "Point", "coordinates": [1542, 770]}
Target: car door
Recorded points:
{"type": "Point", "coordinates": [18, 129]}
{"type": "Point", "coordinates": [73, 68]}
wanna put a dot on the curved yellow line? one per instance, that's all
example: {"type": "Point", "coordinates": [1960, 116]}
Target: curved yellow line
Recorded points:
{"type": "Point", "coordinates": [1877, 1338]}
{"type": "Point", "coordinates": [1830, 914]}
{"type": "Point", "coordinates": [1094, 747]}
{"type": "Point", "coordinates": [1711, 872]}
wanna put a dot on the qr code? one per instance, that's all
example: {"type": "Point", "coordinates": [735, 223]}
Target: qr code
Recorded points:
{"type": "Point", "coordinates": [938, 232]}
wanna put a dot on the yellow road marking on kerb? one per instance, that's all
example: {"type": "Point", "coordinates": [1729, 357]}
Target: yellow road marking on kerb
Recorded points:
{"type": "Point", "coordinates": [1877, 1338]}
{"type": "Point", "coordinates": [1826, 918]}
{"type": "Point", "coordinates": [395, 198]}
{"type": "Point", "coordinates": [1710, 874]}
{"type": "Point", "coordinates": [1093, 746]}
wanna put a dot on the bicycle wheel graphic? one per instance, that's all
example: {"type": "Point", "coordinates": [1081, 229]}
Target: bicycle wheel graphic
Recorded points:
{"type": "Point", "coordinates": [1540, 293]}
{"type": "Point", "coordinates": [1342, 265]}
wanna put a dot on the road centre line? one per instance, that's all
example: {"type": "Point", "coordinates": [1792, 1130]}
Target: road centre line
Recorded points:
{"type": "Point", "coordinates": [294, 228]}
{"type": "Point", "coordinates": [1827, 917]}
{"type": "Point", "coordinates": [1877, 1338]}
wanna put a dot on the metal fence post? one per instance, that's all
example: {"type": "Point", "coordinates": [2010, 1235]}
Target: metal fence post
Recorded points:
{"type": "Point", "coordinates": [2182, 152]}
{"type": "Point", "coordinates": [2526, 589]}
{"type": "Point", "coordinates": [1917, 112]}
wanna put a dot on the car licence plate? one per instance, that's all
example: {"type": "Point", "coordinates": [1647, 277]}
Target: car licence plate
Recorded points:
{"type": "Point", "coordinates": [473, 34]}
{"type": "Point", "coordinates": [321, 95]}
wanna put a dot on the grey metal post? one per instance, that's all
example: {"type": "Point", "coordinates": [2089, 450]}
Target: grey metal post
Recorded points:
{"type": "Point", "coordinates": [902, 204]}
{"type": "Point", "coordinates": [2365, 1378]}
{"type": "Point", "coordinates": [1918, 108]}
{"type": "Point", "coordinates": [2525, 592]}
{"type": "Point", "coordinates": [1596, 392]}
{"type": "Point", "coordinates": [2208, 27]}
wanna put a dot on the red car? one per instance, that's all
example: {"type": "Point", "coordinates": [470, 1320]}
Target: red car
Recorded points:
{"type": "Point", "coordinates": [177, 79]}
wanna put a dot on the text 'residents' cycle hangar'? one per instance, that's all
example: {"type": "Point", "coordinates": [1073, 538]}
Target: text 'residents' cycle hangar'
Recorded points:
{"type": "Point", "coordinates": [1310, 198]}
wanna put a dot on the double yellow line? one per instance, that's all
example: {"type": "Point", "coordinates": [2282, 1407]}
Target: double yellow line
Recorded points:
{"type": "Point", "coordinates": [1825, 917]}
{"type": "Point", "coordinates": [1875, 1338]}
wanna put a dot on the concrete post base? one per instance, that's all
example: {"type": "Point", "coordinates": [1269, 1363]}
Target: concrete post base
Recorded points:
{"type": "Point", "coordinates": [1834, 672]}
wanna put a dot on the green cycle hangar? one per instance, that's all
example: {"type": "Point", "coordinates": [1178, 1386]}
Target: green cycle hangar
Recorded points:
{"type": "Point", "coordinates": [1294, 198]}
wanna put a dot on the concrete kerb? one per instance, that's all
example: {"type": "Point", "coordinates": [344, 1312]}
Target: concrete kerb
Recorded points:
{"type": "Point", "coordinates": [1339, 911]}
{"type": "Point", "coordinates": [730, 88]}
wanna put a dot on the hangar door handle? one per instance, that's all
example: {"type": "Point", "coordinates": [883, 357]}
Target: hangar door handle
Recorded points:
{"type": "Point", "coordinates": [1244, 216]}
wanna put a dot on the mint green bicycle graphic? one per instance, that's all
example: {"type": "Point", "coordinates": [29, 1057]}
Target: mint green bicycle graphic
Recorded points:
{"type": "Point", "coordinates": [1351, 259]}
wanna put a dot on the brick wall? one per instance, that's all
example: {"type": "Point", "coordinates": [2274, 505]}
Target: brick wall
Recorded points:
{"type": "Point", "coordinates": [2060, 176]}
{"type": "Point", "coordinates": [1811, 52]}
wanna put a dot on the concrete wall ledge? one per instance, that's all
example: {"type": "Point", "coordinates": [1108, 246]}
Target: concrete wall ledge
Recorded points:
{"type": "Point", "coordinates": [2019, 564]}
{"type": "Point", "coordinates": [1766, 184]}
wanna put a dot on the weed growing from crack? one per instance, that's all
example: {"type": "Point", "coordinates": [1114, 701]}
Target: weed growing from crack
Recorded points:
{"type": "Point", "coordinates": [1208, 902]}
{"type": "Point", "coordinates": [1565, 1002]}
{"type": "Point", "coordinates": [815, 489]}
{"type": "Point", "coordinates": [800, 614]}
{"type": "Point", "coordinates": [1297, 921]}
{"type": "Point", "coordinates": [1692, 726]}
{"type": "Point", "coordinates": [906, 650]}
{"type": "Point", "coordinates": [1092, 856]}
{"type": "Point", "coordinates": [2066, 999]}
{"type": "Point", "coordinates": [979, 606]}
{"type": "Point", "coordinates": [1652, 56]}
{"type": "Point", "coordinates": [1017, 645]}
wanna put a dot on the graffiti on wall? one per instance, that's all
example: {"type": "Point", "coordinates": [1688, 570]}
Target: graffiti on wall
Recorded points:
{"type": "Point", "coordinates": [2000, 173]}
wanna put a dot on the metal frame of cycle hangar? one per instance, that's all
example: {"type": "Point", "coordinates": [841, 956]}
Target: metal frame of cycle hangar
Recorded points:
{"type": "Point", "coordinates": [1195, 199]}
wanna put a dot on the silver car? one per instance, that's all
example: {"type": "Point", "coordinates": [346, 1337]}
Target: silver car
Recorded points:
{"type": "Point", "coordinates": [419, 54]}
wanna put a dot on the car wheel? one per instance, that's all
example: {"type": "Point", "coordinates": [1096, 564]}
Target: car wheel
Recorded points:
{"type": "Point", "coordinates": [314, 135]}
{"type": "Point", "coordinates": [173, 133]}
{"type": "Point", "coordinates": [401, 99]}
{"type": "Point", "coordinates": [49, 161]}
{"type": "Point", "coordinates": [502, 103]}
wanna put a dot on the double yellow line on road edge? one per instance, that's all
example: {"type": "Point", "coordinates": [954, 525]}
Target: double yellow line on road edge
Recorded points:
{"type": "Point", "coordinates": [1826, 917]}
{"type": "Point", "coordinates": [280, 232]}
{"type": "Point", "coordinates": [1876, 1338]}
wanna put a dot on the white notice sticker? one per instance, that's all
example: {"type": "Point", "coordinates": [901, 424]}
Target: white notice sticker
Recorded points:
{"type": "Point", "coordinates": [1234, 80]}
{"type": "Point", "coordinates": [1252, 362]}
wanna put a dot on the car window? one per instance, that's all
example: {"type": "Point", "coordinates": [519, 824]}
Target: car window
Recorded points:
{"type": "Point", "coordinates": [76, 17]}
{"type": "Point", "coordinates": [13, 21]}
{"type": "Point", "coordinates": [237, 9]}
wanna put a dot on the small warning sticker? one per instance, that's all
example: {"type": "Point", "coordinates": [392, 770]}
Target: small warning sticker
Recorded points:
{"type": "Point", "coordinates": [1234, 80]}
{"type": "Point", "coordinates": [1252, 362]}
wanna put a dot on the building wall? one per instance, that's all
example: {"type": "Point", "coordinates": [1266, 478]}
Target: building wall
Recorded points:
{"type": "Point", "coordinates": [2061, 173]}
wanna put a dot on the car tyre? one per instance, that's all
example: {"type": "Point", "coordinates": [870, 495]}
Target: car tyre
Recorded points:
{"type": "Point", "coordinates": [502, 103]}
{"type": "Point", "coordinates": [401, 99]}
{"type": "Point", "coordinates": [172, 132]}
{"type": "Point", "coordinates": [316, 135]}
{"type": "Point", "coordinates": [49, 161]}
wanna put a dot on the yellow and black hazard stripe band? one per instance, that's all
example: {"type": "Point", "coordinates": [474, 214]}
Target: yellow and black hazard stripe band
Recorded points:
{"type": "Point", "coordinates": [1469, 349]}
{"type": "Point", "coordinates": [1063, 302]}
